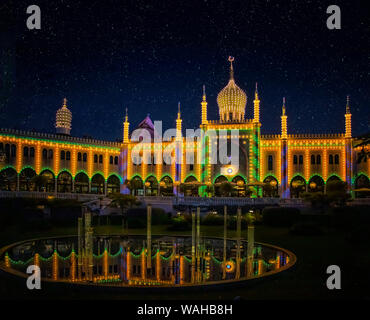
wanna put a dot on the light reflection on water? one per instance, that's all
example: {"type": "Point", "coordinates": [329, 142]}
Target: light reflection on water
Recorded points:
{"type": "Point", "coordinates": [121, 261]}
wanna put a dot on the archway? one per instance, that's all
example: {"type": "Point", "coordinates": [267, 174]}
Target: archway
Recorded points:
{"type": "Point", "coordinates": [151, 186]}
{"type": "Point", "coordinates": [113, 184]}
{"type": "Point", "coordinates": [97, 184]}
{"type": "Point", "coordinates": [240, 186]}
{"type": "Point", "coordinates": [297, 186]}
{"type": "Point", "coordinates": [271, 189]}
{"type": "Point", "coordinates": [136, 186]}
{"type": "Point", "coordinates": [64, 182]}
{"type": "Point", "coordinates": [82, 183]}
{"type": "Point", "coordinates": [190, 187]}
{"type": "Point", "coordinates": [26, 180]}
{"type": "Point", "coordinates": [362, 182]}
{"type": "Point", "coordinates": [333, 178]}
{"type": "Point", "coordinates": [166, 186]}
{"type": "Point", "coordinates": [218, 181]}
{"type": "Point", "coordinates": [316, 184]}
{"type": "Point", "coordinates": [8, 180]}
{"type": "Point", "coordinates": [47, 181]}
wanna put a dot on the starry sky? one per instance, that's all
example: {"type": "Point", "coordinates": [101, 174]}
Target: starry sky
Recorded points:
{"type": "Point", "coordinates": [105, 56]}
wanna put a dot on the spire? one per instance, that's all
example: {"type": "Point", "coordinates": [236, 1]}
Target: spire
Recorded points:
{"type": "Point", "coordinates": [347, 105]}
{"type": "Point", "coordinates": [126, 116]}
{"type": "Point", "coordinates": [65, 102]}
{"type": "Point", "coordinates": [178, 111]}
{"type": "Point", "coordinates": [204, 106]}
{"type": "Point", "coordinates": [204, 93]}
{"type": "Point", "coordinates": [256, 92]}
{"type": "Point", "coordinates": [284, 106]}
{"type": "Point", "coordinates": [231, 59]}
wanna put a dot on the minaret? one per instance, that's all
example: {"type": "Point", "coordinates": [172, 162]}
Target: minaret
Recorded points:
{"type": "Point", "coordinates": [63, 123]}
{"type": "Point", "coordinates": [126, 126]}
{"type": "Point", "coordinates": [204, 107]}
{"type": "Point", "coordinates": [256, 106]}
{"type": "Point", "coordinates": [284, 125]}
{"type": "Point", "coordinates": [284, 153]}
{"type": "Point", "coordinates": [348, 122]}
{"type": "Point", "coordinates": [178, 124]}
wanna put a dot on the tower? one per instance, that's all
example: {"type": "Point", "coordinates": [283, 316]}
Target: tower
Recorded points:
{"type": "Point", "coordinates": [178, 124]}
{"type": "Point", "coordinates": [231, 100]}
{"type": "Point", "coordinates": [284, 153]}
{"type": "Point", "coordinates": [126, 126]}
{"type": "Point", "coordinates": [256, 103]}
{"type": "Point", "coordinates": [178, 150]}
{"type": "Point", "coordinates": [63, 122]}
{"type": "Point", "coordinates": [204, 106]}
{"type": "Point", "coordinates": [348, 144]}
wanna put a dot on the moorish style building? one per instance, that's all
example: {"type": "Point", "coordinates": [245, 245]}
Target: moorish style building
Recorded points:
{"type": "Point", "coordinates": [290, 163]}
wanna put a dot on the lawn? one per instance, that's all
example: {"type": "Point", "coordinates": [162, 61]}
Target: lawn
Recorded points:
{"type": "Point", "coordinates": [307, 280]}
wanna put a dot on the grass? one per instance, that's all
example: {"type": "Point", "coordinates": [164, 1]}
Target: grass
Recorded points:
{"type": "Point", "coordinates": [307, 280]}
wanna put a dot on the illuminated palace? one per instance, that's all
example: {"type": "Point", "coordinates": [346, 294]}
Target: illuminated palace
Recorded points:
{"type": "Point", "coordinates": [288, 163]}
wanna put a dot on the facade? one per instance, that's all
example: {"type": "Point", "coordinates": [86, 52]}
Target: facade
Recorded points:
{"type": "Point", "coordinates": [289, 163]}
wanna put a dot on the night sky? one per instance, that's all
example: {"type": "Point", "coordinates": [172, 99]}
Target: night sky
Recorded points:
{"type": "Point", "coordinates": [106, 55]}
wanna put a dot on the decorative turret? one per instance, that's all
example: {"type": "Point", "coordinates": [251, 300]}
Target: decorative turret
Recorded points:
{"type": "Point", "coordinates": [231, 100]}
{"type": "Point", "coordinates": [256, 103]}
{"type": "Point", "coordinates": [284, 125]}
{"type": "Point", "coordinates": [348, 120]}
{"type": "Point", "coordinates": [204, 106]}
{"type": "Point", "coordinates": [126, 126]}
{"type": "Point", "coordinates": [178, 124]}
{"type": "Point", "coordinates": [63, 123]}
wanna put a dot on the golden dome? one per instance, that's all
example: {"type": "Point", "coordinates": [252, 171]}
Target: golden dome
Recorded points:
{"type": "Point", "coordinates": [231, 100]}
{"type": "Point", "coordinates": [63, 123]}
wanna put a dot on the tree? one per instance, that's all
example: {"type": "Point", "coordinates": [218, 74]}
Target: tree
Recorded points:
{"type": "Point", "coordinates": [364, 142]}
{"type": "Point", "coordinates": [210, 190]}
{"type": "Point", "coordinates": [226, 188]}
{"type": "Point", "coordinates": [336, 192]}
{"type": "Point", "coordinates": [40, 181]}
{"type": "Point", "coordinates": [123, 201]}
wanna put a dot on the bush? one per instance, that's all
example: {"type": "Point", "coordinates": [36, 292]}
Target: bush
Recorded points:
{"type": "Point", "coordinates": [306, 229]}
{"type": "Point", "coordinates": [136, 223]}
{"type": "Point", "coordinates": [280, 216]}
{"type": "Point", "coordinates": [213, 220]}
{"type": "Point", "coordinates": [179, 224]}
{"type": "Point", "coordinates": [232, 222]}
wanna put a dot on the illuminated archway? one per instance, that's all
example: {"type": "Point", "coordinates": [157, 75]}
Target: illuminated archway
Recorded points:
{"type": "Point", "coordinates": [316, 184]}
{"type": "Point", "coordinates": [113, 184]}
{"type": "Point", "coordinates": [166, 186]}
{"type": "Point", "coordinates": [81, 183]}
{"type": "Point", "coordinates": [218, 181]}
{"type": "Point", "coordinates": [48, 181]}
{"type": "Point", "coordinates": [64, 182]}
{"type": "Point", "coordinates": [297, 186]}
{"type": "Point", "coordinates": [362, 182]}
{"type": "Point", "coordinates": [151, 186]}
{"type": "Point", "coordinates": [26, 180]}
{"type": "Point", "coordinates": [136, 186]}
{"type": "Point", "coordinates": [97, 184]}
{"type": "Point", "coordinates": [190, 186]}
{"type": "Point", "coordinates": [8, 180]}
{"type": "Point", "coordinates": [240, 186]}
{"type": "Point", "coordinates": [271, 189]}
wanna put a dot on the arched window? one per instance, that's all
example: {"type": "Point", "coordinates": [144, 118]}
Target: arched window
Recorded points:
{"type": "Point", "coordinates": [115, 160]}
{"type": "Point", "coordinates": [79, 156]}
{"type": "Point", "coordinates": [25, 152]}
{"type": "Point", "coordinates": [7, 150]}
{"type": "Point", "coordinates": [68, 155]}
{"type": "Point", "coordinates": [62, 155]}
{"type": "Point", "coordinates": [50, 154]}
{"type": "Point", "coordinates": [331, 159]}
{"type": "Point", "coordinates": [84, 157]}
{"type": "Point", "coordinates": [13, 151]}
{"type": "Point", "coordinates": [32, 152]}
{"type": "Point", "coordinates": [270, 163]}
{"type": "Point", "coordinates": [336, 159]}
{"type": "Point", "coordinates": [295, 159]}
{"type": "Point", "coordinates": [318, 159]}
{"type": "Point", "coordinates": [312, 159]}
{"type": "Point", "coordinates": [300, 159]}
{"type": "Point", "coordinates": [95, 158]}
{"type": "Point", "coordinates": [111, 160]}
{"type": "Point", "coordinates": [45, 154]}
{"type": "Point", "coordinates": [100, 159]}
{"type": "Point", "coordinates": [1, 146]}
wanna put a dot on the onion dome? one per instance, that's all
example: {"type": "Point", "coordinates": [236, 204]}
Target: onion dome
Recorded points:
{"type": "Point", "coordinates": [63, 123]}
{"type": "Point", "coordinates": [231, 100]}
